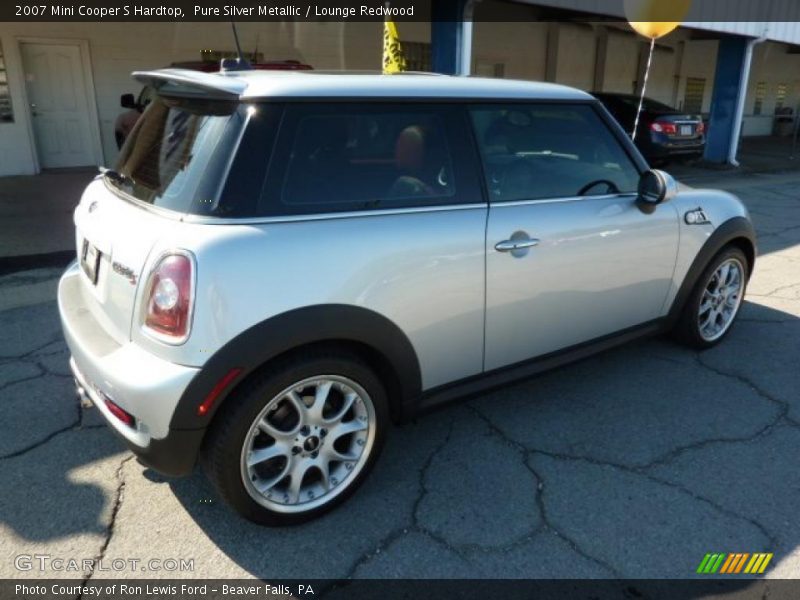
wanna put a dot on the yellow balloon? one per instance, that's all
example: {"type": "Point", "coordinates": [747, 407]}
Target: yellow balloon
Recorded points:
{"type": "Point", "coordinates": [656, 18]}
{"type": "Point", "coordinates": [654, 29]}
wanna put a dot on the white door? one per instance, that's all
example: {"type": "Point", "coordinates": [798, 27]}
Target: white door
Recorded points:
{"type": "Point", "coordinates": [58, 103]}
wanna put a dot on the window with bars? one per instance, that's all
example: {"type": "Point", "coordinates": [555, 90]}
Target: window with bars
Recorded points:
{"type": "Point", "coordinates": [760, 96]}
{"type": "Point", "coordinates": [418, 56]}
{"type": "Point", "coordinates": [693, 96]}
{"type": "Point", "coordinates": [489, 68]}
{"type": "Point", "coordinates": [6, 111]}
{"type": "Point", "coordinates": [780, 95]}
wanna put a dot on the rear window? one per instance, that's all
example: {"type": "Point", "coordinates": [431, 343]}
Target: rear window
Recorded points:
{"type": "Point", "coordinates": [178, 154]}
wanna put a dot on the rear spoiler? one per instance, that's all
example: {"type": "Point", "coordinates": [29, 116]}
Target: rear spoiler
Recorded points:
{"type": "Point", "coordinates": [185, 82]}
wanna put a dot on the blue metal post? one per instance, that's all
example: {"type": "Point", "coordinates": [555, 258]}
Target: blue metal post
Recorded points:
{"type": "Point", "coordinates": [729, 77]}
{"type": "Point", "coordinates": [447, 35]}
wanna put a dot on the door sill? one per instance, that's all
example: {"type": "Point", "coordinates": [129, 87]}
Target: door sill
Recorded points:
{"type": "Point", "coordinates": [496, 378]}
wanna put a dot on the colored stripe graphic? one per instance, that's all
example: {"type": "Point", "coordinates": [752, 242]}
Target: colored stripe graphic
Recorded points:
{"type": "Point", "coordinates": [734, 563]}
{"type": "Point", "coordinates": [764, 564]}
{"type": "Point", "coordinates": [726, 567]}
{"type": "Point", "coordinates": [703, 563]}
{"type": "Point", "coordinates": [711, 563]}
{"type": "Point", "coordinates": [731, 564]}
{"type": "Point", "coordinates": [714, 567]}
{"type": "Point", "coordinates": [739, 566]}
{"type": "Point", "coordinates": [758, 563]}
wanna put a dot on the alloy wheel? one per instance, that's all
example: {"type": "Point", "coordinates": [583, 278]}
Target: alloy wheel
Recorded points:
{"type": "Point", "coordinates": [721, 299]}
{"type": "Point", "coordinates": [308, 444]}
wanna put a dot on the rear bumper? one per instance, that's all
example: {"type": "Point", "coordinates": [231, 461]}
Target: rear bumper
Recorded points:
{"type": "Point", "coordinates": [174, 455]}
{"type": "Point", "coordinates": [143, 385]}
{"type": "Point", "coordinates": [660, 146]}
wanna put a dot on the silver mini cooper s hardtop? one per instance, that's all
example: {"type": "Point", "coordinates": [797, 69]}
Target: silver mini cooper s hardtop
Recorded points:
{"type": "Point", "coordinates": [281, 265]}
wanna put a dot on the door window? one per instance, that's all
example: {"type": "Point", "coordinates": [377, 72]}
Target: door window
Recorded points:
{"type": "Point", "coordinates": [342, 157]}
{"type": "Point", "coordinates": [540, 151]}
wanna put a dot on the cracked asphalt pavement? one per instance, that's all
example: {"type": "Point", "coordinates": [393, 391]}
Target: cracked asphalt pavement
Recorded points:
{"type": "Point", "coordinates": [633, 463]}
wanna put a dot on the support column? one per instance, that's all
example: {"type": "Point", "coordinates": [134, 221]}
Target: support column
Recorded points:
{"type": "Point", "coordinates": [730, 89]}
{"type": "Point", "coordinates": [680, 52]}
{"type": "Point", "coordinates": [551, 58]}
{"type": "Point", "coordinates": [600, 57]}
{"type": "Point", "coordinates": [451, 36]}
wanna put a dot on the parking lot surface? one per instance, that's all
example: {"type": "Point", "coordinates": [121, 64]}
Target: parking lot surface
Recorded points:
{"type": "Point", "coordinates": [633, 463]}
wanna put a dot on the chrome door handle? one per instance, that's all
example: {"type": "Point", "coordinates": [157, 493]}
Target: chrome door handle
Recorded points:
{"type": "Point", "coordinates": [511, 245]}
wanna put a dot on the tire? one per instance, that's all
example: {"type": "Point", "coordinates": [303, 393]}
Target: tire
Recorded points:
{"type": "Point", "coordinates": [264, 418]}
{"type": "Point", "coordinates": [690, 329]}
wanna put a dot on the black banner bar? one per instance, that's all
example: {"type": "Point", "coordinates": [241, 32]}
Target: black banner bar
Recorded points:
{"type": "Point", "coordinates": [376, 10]}
{"type": "Point", "coordinates": [217, 589]}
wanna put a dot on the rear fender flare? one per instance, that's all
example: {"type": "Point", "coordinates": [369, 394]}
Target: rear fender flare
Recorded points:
{"type": "Point", "coordinates": [291, 330]}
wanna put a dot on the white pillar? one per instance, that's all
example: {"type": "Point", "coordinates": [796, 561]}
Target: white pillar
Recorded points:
{"type": "Point", "coordinates": [465, 51]}
{"type": "Point", "coordinates": [744, 81]}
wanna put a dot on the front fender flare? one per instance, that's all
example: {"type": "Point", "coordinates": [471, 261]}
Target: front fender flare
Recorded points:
{"type": "Point", "coordinates": [730, 230]}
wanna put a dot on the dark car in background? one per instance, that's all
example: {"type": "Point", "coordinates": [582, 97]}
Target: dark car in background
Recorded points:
{"type": "Point", "coordinates": [664, 133]}
{"type": "Point", "coordinates": [136, 105]}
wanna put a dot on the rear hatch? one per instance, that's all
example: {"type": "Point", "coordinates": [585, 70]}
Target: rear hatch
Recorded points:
{"type": "Point", "coordinates": [113, 239]}
{"type": "Point", "coordinates": [172, 164]}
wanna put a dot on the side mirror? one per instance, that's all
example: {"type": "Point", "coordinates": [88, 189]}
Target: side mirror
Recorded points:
{"type": "Point", "coordinates": [127, 101]}
{"type": "Point", "coordinates": [656, 187]}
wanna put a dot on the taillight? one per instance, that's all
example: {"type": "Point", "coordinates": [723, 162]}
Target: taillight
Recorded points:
{"type": "Point", "coordinates": [662, 127]}
{"type": "Point", "coordinates": [169, 296]}
{"type": "Point", "coordinates": [701, 127]}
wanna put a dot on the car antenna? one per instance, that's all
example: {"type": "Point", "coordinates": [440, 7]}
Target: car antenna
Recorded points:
{"type": "Point", "coordinates": [254, 58]}
{"type": "Point", "coordinates": [239, 63]}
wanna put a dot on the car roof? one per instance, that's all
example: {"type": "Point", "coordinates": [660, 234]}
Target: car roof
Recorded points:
{"type": "Point", "coordinates": [348, 84]}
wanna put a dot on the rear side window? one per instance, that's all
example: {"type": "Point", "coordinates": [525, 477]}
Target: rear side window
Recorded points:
{"type": "Point", "coordinates": [360, 156]}
{"type": "Point", "coordinates": [541, 151]}
{"type": "Point", "coordinates": [178, 153]}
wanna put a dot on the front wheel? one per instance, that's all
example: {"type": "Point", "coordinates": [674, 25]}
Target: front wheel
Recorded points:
{"type": "Point", "coordinates": [715, 301]}
{"type": "Point", "coordinates": [299, 438]}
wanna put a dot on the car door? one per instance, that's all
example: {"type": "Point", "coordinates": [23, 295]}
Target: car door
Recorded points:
{"type": "Point", "coordinates": [388, 196]}
{"type": "Point", "coordinates": [571, 255]}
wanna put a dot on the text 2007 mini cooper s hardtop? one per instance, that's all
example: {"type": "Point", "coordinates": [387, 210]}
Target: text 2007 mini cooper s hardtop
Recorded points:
{"type": "Point", "coordinates": [281, 265]}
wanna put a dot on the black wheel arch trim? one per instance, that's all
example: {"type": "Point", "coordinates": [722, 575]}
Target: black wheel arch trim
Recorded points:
{"type": "Point", "coordinates": [294, 329]}
{"type": "Point", "coordinates": [729, 231]}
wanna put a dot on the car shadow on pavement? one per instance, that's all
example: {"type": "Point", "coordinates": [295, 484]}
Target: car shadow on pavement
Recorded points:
{"type": "Point", "coordinates": [632, 463]}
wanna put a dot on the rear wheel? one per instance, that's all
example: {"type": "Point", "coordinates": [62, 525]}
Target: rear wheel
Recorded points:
{"type": "Point", "coordinates": [715, 301]}
{"type": "Point", "coordinates": [299, 438]}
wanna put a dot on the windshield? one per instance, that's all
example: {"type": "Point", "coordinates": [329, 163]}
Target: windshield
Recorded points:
{"type": "Point", "coordinates": [176, 156]}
